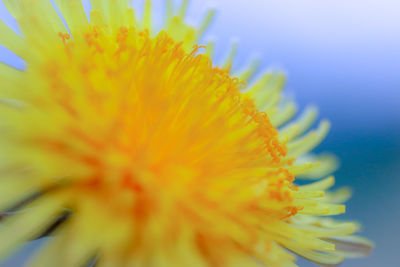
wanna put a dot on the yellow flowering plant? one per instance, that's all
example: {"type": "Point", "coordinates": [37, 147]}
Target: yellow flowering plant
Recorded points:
{"type": "Point", "coordinates": [143, 152]}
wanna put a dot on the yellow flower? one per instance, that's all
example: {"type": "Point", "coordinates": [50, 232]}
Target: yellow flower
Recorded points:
{"type": "Point", "coordinates": [144, 153]}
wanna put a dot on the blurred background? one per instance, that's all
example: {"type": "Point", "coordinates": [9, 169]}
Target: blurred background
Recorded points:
{"type": "Point", "coordinates": [344, 57]}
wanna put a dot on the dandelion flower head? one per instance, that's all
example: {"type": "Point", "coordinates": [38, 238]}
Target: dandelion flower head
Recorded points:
{"type": "Point", "coordinates": [129, 145]}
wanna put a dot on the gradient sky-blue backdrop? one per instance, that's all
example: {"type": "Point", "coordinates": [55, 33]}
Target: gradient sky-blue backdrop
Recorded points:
{"type": "Point", "coordinates": [344, 56]}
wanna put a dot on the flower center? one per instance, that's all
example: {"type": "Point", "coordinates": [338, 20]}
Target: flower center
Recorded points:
{"type": "Point", "coordinates": [141, 126]}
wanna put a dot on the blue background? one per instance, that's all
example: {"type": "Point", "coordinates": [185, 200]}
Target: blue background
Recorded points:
{"type": "Point", "coordinates": [344, 56]}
